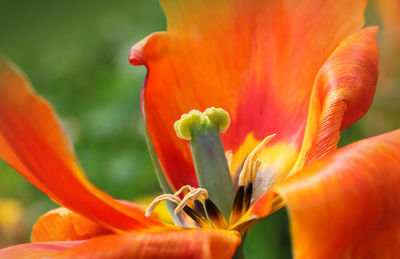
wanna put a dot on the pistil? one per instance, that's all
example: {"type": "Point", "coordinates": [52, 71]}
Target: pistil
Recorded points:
{"type": "Point", "coordinates": [212, 170]}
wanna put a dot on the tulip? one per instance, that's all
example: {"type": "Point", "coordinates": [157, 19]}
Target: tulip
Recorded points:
{"type": "Point", "coordinates": [243, 105]}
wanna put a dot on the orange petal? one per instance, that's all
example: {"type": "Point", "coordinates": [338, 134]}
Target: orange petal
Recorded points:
{"type": "Point", "coordinates": [193, 243]}
{"type": "Point", "coordinates": [347, 204]}
{"type": "Point", "coordinates": [33, 142]}
{"type": "Point", "coordinates": [256, 59]}
{"type": "Point", "coordinates": [37, 250]}
{"type": "Point", "coordinates": [342, 94]}
{"type": "Point", "coordinates": [64, 225]}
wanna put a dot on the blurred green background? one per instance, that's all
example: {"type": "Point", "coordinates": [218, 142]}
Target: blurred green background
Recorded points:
{"type": "Point", "coordinates": [76, 55]}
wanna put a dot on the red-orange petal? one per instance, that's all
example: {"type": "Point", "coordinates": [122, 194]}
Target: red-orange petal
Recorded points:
{"type": "Point", "coordinates": [347, 204]}
{"type": "Point", "coordinates": [256, 59]}
{"type": "Point", "coordinates": [37, 250]}
{"type": "Point", "coordinates": [343, 92]}
{"type": "Point", "coordinates": [33, 142]}
{"type": "Point", "coordinates": [61, 224]}
{"type": "Point", "coordinates": [192, 243]}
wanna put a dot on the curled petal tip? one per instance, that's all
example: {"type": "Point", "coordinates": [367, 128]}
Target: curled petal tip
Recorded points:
{"type": "Point", "coordinates": [144, 49]}
{"type": "Point", "coordinates": [135, 55]}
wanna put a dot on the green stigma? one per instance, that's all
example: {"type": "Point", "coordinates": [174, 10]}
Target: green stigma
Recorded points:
{"type": "Point", "coordinates": [212, 170]}
{"type": "Point", "coordinates": [211, 117]}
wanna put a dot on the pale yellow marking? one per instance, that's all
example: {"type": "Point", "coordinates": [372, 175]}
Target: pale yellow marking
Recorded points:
{"type": "Point", "coordinates": [277, 161]}
{"type": "Point", "coordinates": [161, 210]}
{"type": "Point", "coordinates": [281, 155]}
{"type": "Point", "coordinates": [228, 156]}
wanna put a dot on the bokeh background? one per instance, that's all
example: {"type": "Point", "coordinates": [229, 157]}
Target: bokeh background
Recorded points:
{"type": "Point", "coordinates": [76, 55]}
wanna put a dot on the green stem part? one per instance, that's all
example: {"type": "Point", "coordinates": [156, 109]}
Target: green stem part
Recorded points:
{"type": "Point", "coordinates": [212, 169]}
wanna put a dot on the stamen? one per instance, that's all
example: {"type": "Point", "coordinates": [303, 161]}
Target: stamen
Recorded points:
{"type": "Point", "coordinates": [247, 197]}
{"type": "Point", "coordinates": [251, 163]}
{"type": "Point", "coordinates": [237, 206]}
{"type": "Point", "coordinates": [193, 194]}
{"type": "Point", "coordinates": [168, 197]}
{"type": "Point", "coordinates": [199, 207]}
{"type": "Point", "coordinates": [254, 169]}
{"type": "Point", "coordinates": [184, 189]}
{"type": "Point", "coordinates": [241, 203]}
{"type": "Point", "coordinates": [163, 197]}
{"type": "Point", "coordinates": [215, 215]}
{"type": "Point", "coordinates": [201, 221]}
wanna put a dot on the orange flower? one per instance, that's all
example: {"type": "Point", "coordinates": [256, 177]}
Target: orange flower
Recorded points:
{"type": "Point", "coordinates": [302, 70]}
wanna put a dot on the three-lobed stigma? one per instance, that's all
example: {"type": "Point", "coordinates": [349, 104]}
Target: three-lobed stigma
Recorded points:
{"type": "Point", "coordinates": [196, 120]}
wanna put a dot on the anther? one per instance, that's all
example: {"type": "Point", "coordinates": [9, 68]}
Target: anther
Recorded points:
{"type": "Point", "coordinates": [241, 203]}
{"type": "Point", "coordinates": [199, 207]}
{"type": "Point", "coordinates": [215, 215]}
{"type": "Point", "coordinates": [237, 206]}
{"type": "Point", "coordinates": [199, 219]}
{"type": "Point", "coordinates": [247, 196]}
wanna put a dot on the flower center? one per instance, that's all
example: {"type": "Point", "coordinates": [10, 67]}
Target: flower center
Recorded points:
{"type": "Point", "coordinates": [215, 203]}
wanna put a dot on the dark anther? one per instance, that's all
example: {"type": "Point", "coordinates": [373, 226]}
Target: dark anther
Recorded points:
{"type": "Point", "coordinates": [199, 208]}
{"type": "Point", "coordinates": [195, 216]}
{"type": "Point", "coordinates": [247, 196]}
{"type": "Point", "coordinates": [212, 210]}
{"type": "Point", "coordinates": [238, 202]}
{"type": "Point", "coordinates": [215, 215]}
{"type": "Point", "coordinates": [237, 205]}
